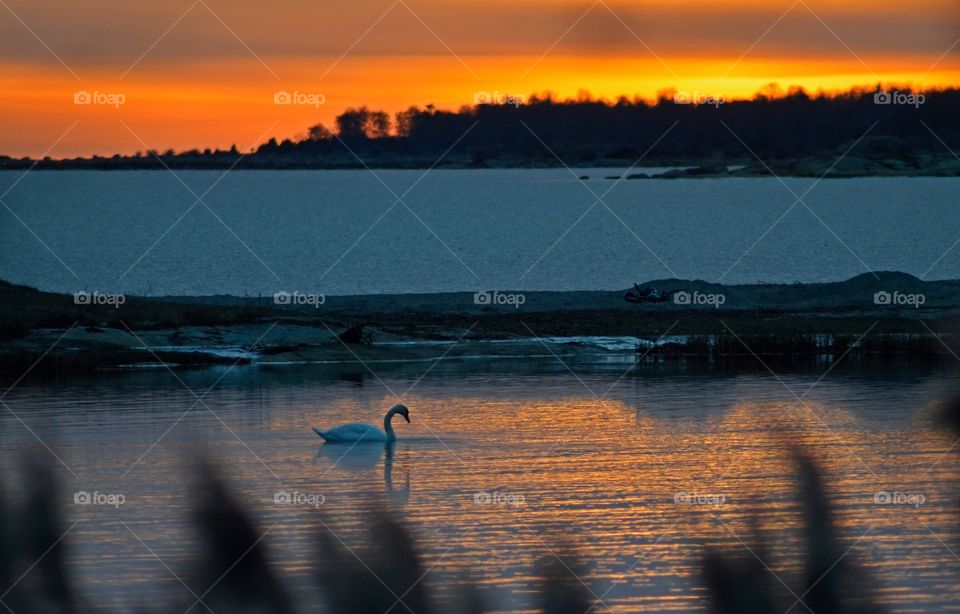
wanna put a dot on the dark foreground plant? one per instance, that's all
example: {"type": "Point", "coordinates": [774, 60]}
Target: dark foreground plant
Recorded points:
{"type": "Point", "coordinates": [232, 573]}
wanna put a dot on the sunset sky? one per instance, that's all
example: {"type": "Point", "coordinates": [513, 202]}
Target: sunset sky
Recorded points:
{"type": "Point", "coordinates": [203, 73]}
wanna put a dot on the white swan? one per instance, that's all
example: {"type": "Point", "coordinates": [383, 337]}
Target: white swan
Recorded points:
{"type": "Point", "coordinates": [365, 432]}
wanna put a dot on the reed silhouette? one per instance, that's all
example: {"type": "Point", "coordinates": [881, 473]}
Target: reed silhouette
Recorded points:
{"type": "Point", "coordinates": [832, 582]}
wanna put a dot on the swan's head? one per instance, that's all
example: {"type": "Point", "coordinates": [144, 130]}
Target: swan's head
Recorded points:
{"type": "Point", "coordinates": [401, 409]}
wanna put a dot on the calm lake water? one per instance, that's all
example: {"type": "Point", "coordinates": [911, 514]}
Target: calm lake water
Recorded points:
{"type": "Point", "coordinates": [343, 232]}
{"type": "Point", "coordinates": [594, 460]}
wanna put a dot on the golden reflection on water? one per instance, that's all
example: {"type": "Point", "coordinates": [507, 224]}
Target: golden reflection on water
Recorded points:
{"type": "Point", "coordinates": [641, 495]}
{"type": "Point", "coordinates": [489, 483]}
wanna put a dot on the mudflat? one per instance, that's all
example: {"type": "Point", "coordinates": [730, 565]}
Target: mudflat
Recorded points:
{"type": "Point", "coordinates": [884, 313]}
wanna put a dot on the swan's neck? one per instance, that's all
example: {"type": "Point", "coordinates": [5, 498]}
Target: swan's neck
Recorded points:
{"type": "Point", "coordinates": [387, 427]}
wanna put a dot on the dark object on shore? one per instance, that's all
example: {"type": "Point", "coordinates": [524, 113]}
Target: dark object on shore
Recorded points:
{"type": "Point", "coordinates": [356, 335]}
{"type": "Point", "coordinates": [696, 171]}
{"type": "Point", "coordinates": [647, 294]}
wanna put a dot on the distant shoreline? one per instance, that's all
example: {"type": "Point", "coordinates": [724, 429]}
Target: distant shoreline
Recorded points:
{"type": "Point", "coordinates": [826, 166]}
{"type": "Point", "coordinates": [860, 132]}
{"type": "Point", "coordinates": [882, 314]}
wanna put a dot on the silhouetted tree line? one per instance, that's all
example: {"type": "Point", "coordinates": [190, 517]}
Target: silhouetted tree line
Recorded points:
{"type": "Point", "coordinates": [586, 130]}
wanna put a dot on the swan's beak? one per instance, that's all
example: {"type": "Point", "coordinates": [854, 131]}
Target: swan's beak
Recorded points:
{"type": "Point", "coordinates": [406, 417]}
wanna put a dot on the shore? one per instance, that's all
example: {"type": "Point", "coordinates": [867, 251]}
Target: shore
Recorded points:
{"type": "Point", "coordinates": [882, 314]}
{"type": "Point", "coordinates": [832, 164]}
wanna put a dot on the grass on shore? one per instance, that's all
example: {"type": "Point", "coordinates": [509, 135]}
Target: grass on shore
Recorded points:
{"type": "Point", "coordinates": [23, 309]}
{"type": "Point", "coordinates": [707, 332]}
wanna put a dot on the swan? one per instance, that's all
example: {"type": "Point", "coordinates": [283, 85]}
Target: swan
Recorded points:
{"type": "Point", "coordinates": [358, 432]}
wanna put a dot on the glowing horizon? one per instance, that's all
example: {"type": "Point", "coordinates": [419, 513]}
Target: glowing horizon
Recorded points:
{"type": "Point", "coordinates": [210, 82]}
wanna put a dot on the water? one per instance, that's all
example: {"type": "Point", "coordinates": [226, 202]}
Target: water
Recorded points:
{"type": "Point", "coordinates": [343, 232]}
{"type": "Point", "coordinates": [595, 460]}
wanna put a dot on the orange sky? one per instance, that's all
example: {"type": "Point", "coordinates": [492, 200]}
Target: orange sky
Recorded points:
{"type": "Point", "coordinates": [203, 73]}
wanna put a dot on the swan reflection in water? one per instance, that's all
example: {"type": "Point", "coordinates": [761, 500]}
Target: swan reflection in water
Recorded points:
{"type": "Point", "coordinates": [365, 458]}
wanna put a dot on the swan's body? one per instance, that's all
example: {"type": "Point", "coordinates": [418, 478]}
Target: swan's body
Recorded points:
{"type": "Point", "coordinates": [359, 432]}
{"type": "Point", "coordinates": [353, 432]}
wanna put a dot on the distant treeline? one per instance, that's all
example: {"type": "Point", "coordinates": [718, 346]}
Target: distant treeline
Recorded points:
{"type": "Point", "coordinates": [536, 131]}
